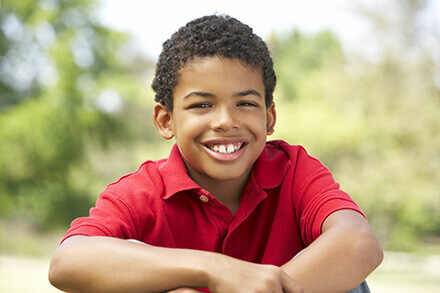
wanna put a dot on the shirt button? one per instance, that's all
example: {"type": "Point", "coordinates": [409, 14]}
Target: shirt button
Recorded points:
{"type": "Point", "coordinates": [204, 198]}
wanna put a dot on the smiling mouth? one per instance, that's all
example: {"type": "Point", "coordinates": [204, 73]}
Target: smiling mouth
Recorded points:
{"type": "Point", "coordinates": [225, 148]}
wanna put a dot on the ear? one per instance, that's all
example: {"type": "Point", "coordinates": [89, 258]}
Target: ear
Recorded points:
{"type": "Point", "coordinates": [271, 117]}
{"type": "Point", "coordinates": [162, 119]}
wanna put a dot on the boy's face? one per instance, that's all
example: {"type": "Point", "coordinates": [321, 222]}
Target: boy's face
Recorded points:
{"type": "Point", "coordinates": [219, 119]}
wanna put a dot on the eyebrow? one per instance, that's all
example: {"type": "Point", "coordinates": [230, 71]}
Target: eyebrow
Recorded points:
{"type": "Point", "coordinates": [201, 94]}
{"type": "Point", "coordinates": [209, 95]}
{"type": "Point", "coordinates": [249, 92]}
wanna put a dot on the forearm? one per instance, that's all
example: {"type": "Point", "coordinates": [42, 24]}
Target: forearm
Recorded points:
{"type": "Point", "coordinates": [339, 260]}
{"type": "Point", "coordinates": [103, 264]}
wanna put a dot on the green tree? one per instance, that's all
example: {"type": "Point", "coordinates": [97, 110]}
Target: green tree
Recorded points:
{"type": "Point", "coordinates": [400, 95]}
{"type": "Point", "coordinates": [298, 56]}
{"type": "Point", "coordinates": [373, 119]}
{"type": "Point", "coordinates": [66, 92]}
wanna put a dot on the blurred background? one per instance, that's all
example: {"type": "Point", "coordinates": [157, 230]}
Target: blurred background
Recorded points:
{"type": "Point", "coordinates": [359, 87]}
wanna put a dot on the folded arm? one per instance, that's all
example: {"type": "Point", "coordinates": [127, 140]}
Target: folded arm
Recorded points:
{"type": "Point", "coordinates": [341, 258]}
{"type": "Point", "coordinates": [103, 264]}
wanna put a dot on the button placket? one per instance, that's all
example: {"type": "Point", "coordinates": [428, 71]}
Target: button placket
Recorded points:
{"type": "Point", "coordinates": [203, 198]}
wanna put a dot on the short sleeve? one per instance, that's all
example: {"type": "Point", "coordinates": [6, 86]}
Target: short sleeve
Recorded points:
{"type": "Point", "coordinates": [110, 217]}
{"type": "Point", "coordinates": [124, 208]}
{"type": "Point", "coordinates": [316, 196]}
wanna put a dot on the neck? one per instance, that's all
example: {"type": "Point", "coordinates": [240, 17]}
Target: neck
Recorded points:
{"type": "Point", "coordinates": [227, 192]}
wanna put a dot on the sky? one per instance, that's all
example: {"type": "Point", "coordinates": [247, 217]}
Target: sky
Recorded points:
{"type": "Point", "coordinates": [152, 22]}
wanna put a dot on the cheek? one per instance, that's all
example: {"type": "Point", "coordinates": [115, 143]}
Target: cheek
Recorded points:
{"type": "Point", "coordinates": [257, 124]}
{"type": "Point", "coordinates": [189, 127]}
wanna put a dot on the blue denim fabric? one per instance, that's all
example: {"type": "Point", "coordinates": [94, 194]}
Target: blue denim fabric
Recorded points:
{"type": "Point", "coordinates": [362, 288]}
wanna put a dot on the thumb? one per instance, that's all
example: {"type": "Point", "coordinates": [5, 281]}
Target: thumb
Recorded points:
{"type": "Point", "coordinates": [289, 285]}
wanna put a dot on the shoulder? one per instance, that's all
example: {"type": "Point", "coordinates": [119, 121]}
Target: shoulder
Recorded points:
{"type": "Point", "coordinates": [294, 153]}
{"type": "Point", "coordinates": [274, 146]}
{"type": "Point", "coordinates": [301, 165]}
{"type": "Point", "coordinates": [147, 179]}
{"type": "Point", "coordinates": [161, 179]}
{"type": "Point", "coordinates": [278, 160]}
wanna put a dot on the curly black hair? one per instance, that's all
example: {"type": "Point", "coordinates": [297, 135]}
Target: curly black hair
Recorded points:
{"type": "Point", "coordinates": [213, 35]}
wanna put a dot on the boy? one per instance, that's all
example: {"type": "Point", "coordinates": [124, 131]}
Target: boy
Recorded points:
{"type": "Point", "coordinates": [226, 211]}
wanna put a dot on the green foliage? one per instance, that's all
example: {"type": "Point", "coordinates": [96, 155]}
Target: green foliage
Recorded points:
{"type": "Point", "coordinates": [54, 114]}
{"type": "Point", "coordinates": [75, 115]}
{"type": "Point", "coordinates": [298, 56]}
{"type": "Point", "coordinates": [376, 125]}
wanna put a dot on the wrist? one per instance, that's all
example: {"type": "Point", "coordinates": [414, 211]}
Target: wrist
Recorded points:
{"type": "Point", "coordinates": [203, 267]}
{"type": "Point", "coordinates": [215, 265]}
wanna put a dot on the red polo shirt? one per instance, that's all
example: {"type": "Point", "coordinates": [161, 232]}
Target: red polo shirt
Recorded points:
{"type": "Point", "coordinates": [283, 206]}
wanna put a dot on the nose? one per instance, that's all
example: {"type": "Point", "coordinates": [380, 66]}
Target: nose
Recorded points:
{"type": "Point", "coordinates": [225, 120]}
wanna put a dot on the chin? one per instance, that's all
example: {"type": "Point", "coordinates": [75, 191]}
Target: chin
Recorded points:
{"type": "Point", "coordinates": [228, 175]}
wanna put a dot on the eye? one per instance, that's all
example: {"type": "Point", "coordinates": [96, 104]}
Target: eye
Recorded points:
{"type": "Point", "coordinates": [247, 104]}
{"type": "Point", "coordinates": [199, 105]}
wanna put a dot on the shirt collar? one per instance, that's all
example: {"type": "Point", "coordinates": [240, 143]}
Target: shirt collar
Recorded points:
{"type": "Point", "coordinates": [271, 167]}
{"type": "Point", "coordinates": [268, 171]}
{"type": "Point", "coordinates": [174, 174]}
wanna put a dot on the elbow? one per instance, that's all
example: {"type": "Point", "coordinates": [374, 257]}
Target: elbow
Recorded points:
{"type": "Point", "coordinates": [63, 270]}
{"type": "Point", "coordinates": [378, 255]}
{"type": "Point", "coordinates": [56, 271]}
{"type": "Point", "coordinates": [54, 275]}
{"type": "Point", "coordinates": [368, 249]}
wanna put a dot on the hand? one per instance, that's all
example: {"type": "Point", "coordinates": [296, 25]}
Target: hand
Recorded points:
{"type": "Point", "coordinates": [233, 275]}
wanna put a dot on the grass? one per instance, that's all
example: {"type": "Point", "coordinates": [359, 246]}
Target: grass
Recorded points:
{"type": "Point", "coordinates": [25, 256]}
{"type": "Point", "coordinates": [402, 282]}
{"type": "Point", "coordinates": [403, 272]}
{"type": "Point", "coordinates": [24, 275]}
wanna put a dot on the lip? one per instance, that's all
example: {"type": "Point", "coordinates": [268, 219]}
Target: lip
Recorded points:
{"type": "Point", "coordinates": [225, 157]}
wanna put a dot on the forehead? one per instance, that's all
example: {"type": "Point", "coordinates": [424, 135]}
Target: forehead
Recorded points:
{"type": "Point", "coordinates": [198, 61]}
{"type": "Point", "coordinates": [213, 71]}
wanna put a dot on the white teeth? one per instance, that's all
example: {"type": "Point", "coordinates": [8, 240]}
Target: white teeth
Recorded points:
{"type": "Point", "coordinates": [226, 149]}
